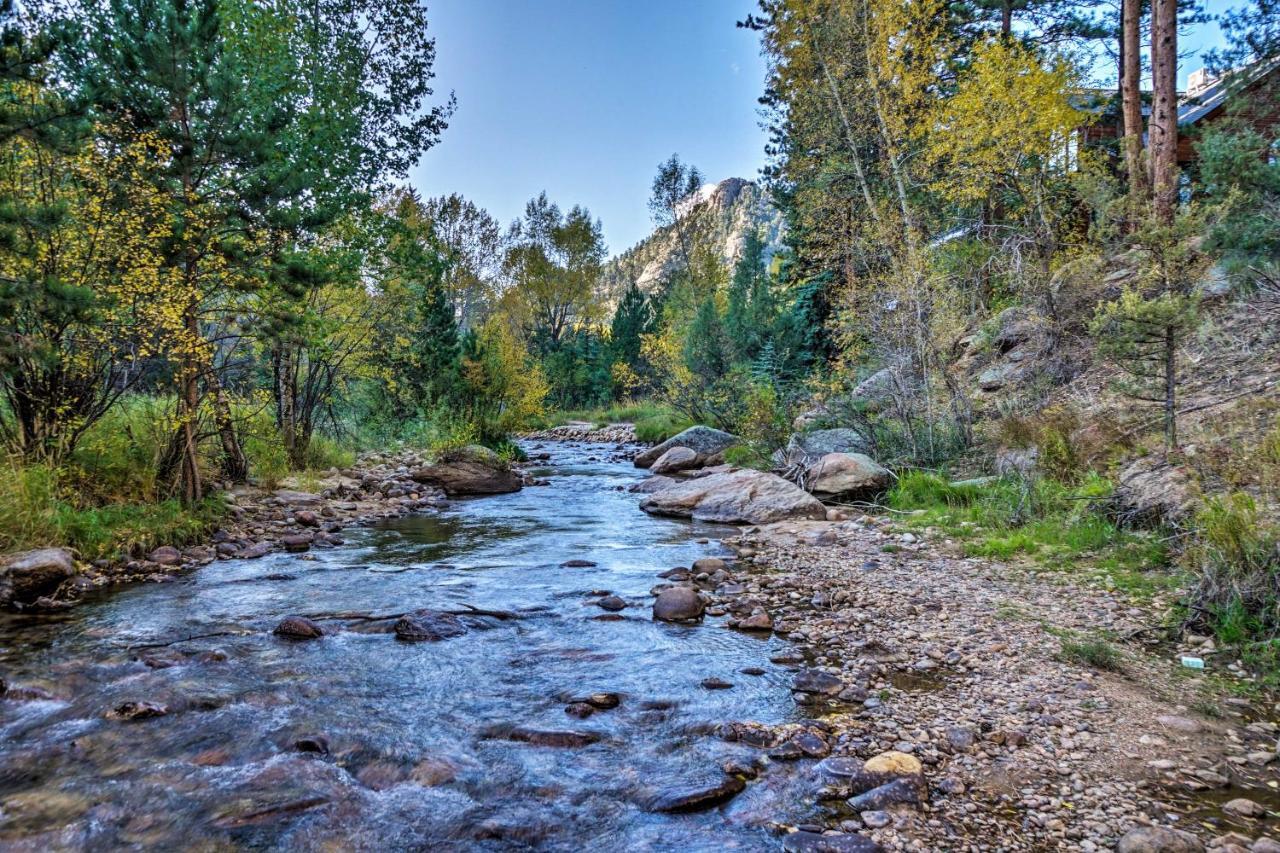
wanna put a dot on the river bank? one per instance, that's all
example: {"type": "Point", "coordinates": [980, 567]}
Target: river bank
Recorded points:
{"type": "Point", "coordinates": [974, 668]}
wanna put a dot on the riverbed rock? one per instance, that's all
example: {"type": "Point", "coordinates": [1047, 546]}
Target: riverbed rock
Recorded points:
{"type": "Point", "coordinates": [428, 626]}
{"type": "Point", "coordinates": [298, 628]}
{"type": "Point", "coordinates": [894, 763]}
{"type": "Point", "coordinates": [818, 682]}
{"type": "Point", "coordinates": [165, 555]}
{"type": "Point", "coordinates": [678, 604]}
{"type": "Point", "coordinates": [805, 841]}
{"type": "Point", "coordinates": [255, 551]}
{"type": "Point", "coordinates": [675, 459]}
{"type": "Point", "coordinates": [705, 441]}
{"type": "Point", "coordinates": [26, 576]}
{"type": "Point", "coordinates": [612, 603]}
{"type": "Point", "coordinates": [543, 737]}
{"type": "Point", "coordinates": [471, 470]}
{"type": "Point", "coordinates": [297, 543]}
{"type": "Point", "coordinates": [693, 798]}
{"type": "Point", "coordinates": [1158, 839]}
{"type": "Point", "coordinates": [846, 474]}
{"type": "Point", "coordinates": [741, 496]}
{"type": "Point", "coordinates": [130, 711]}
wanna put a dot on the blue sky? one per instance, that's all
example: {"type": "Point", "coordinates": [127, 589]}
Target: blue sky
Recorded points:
{"type": "Point", "coordinates": [583, 99]}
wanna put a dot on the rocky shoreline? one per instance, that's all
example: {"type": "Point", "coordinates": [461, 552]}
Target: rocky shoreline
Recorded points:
{"type": "Point", "coordinates": [954, 668]}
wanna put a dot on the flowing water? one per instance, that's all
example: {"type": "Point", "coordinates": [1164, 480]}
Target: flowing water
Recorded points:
{"type": "Point", "coordinates": [416, 755]}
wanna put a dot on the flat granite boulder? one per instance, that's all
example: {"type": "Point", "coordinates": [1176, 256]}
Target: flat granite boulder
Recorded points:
{"type": "Point", "coordinates": [702, 440]}
{"type": "Point", "coordinates": [743, 496]}
{"type": "Point", "coordinates": [472, 470]}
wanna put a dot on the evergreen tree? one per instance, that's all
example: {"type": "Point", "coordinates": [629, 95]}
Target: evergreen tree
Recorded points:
{"type": "Point", "coordinates": [707, 351]}
{"type": "Point", "coordinates": [633, 318]}
{"type": "Point", "coordinates": [749, 315]}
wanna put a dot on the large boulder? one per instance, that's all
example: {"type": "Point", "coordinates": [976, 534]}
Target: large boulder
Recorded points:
{"type": "Point", "coordinates": [26, 576]}
{"type": "Point", "coordinates": [675, 459]}
{"type": "Point", "coordinates": [703, 440]}
{"type": "Point", "coordinates": [471, 470]}
{"type": "Point", "coordinates": [740, 496]}
{"type": "Point", "coordinates": [807, 447]}
{"type": "Point", "coordinates": [846, 474]}
{"type": "Point", "coordinates": [1153, 491]}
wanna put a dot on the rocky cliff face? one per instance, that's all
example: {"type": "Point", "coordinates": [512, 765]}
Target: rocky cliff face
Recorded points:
{"type": "Point", "coordinates": [724, 213]}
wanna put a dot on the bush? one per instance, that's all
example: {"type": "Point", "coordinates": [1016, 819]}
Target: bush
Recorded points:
{"type": "Point", "coordinates": [1236, 558]}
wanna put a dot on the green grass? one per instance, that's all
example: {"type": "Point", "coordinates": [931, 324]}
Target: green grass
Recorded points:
{"type": "Point", "coordinates": [37, 511]}
{"type": "Point", "coordinates": [1059, 528]}
{"type": "Point", "coordinates": [654, 422]}
{"type": "Point", "coordinates": [1092, 652]}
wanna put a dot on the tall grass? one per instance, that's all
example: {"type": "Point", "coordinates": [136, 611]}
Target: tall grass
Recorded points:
{"type": "Point", "coordinates": [1059, 526]}
{"type": "Point", "coordinates": [1235, 555]}
{"type": "Point", "coordinates": [38, 510]}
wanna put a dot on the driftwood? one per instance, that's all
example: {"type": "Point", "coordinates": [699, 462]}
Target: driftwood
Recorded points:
{"type": "Point", "coordinates": [137, 646]}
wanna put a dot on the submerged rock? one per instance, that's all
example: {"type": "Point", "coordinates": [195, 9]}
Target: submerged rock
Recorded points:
{"type": "Point", "coordinates": [428, 626]}
{"type": "Point", "coordinates": [129, 711]}
{"type": "Point", "coordinates": [694, 798]}
{"type": "Point", "coordinates": [543, 737]}
{"type": "Point", "coordinates": [298, 628]}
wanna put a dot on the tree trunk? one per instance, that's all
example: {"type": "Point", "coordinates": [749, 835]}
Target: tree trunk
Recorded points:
{"type": "Point", "coordinates": [188, 485]}
{"type": "Point", "coordinates": [1164, 110]}
{"type": "Point", "coordinates": [1170, 389]}
{"type": "Point", "coordinates": [235, 465]}
{"type": "Point", "coordinates": [1131, 100]}
{"type": "Point", "coordinates": [1006, 18]}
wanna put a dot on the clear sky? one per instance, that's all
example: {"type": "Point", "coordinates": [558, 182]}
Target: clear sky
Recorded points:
{"type": "Point", "coordinates": [583, 99]}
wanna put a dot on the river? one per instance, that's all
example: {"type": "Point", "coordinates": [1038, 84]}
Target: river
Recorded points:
{"type": "Point", "coordinates": [408, 741]}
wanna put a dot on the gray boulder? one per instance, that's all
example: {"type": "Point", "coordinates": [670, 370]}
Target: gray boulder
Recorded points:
{"type": "Point", "coordinates": [28, 575]}
{"type": "Point", "coordinates": [846, 474]}
{"type": "Point", "coordinates": [740, 496]}
{"type": "Point", "coordinates": [678, 604]}
{"type": "Point", "coordinates": [471, 470]}
{"type": "Point", "coordinates": [808, 447]}
{"type": "Point", "coordinates": [675, 459]}
{"type": "Point", "coordinates": [703, 440]}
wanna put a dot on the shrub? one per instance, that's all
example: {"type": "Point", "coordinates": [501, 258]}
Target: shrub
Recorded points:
{"type": "Point", "coordinates": [1236, 557]}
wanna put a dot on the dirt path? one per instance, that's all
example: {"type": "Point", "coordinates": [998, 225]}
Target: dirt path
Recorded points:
{"type": "Point", "coordinates": [969, 665]}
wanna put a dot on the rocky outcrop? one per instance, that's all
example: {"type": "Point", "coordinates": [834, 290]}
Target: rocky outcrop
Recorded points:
{"type": "Point", "coordinates": [30, 575]}
{"type": "Point", "coordinates": [1153, 491]}
{"type": "Point", "coordinates": [739, 496]}
{"type": "Point", "coordinates": [850, 474]}
{"type": "Point", "coordinates": [472, 470]}
{"type": "Point", "coordinates": [702, 440]}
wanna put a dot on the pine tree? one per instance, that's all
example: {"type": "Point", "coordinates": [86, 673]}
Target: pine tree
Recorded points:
{"type": "Point", "coordinates": [633, 318]}
{"type": "Point", "coordinates": [707, 351]}
{"type": "Point", "coordinates": [749, 313]}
